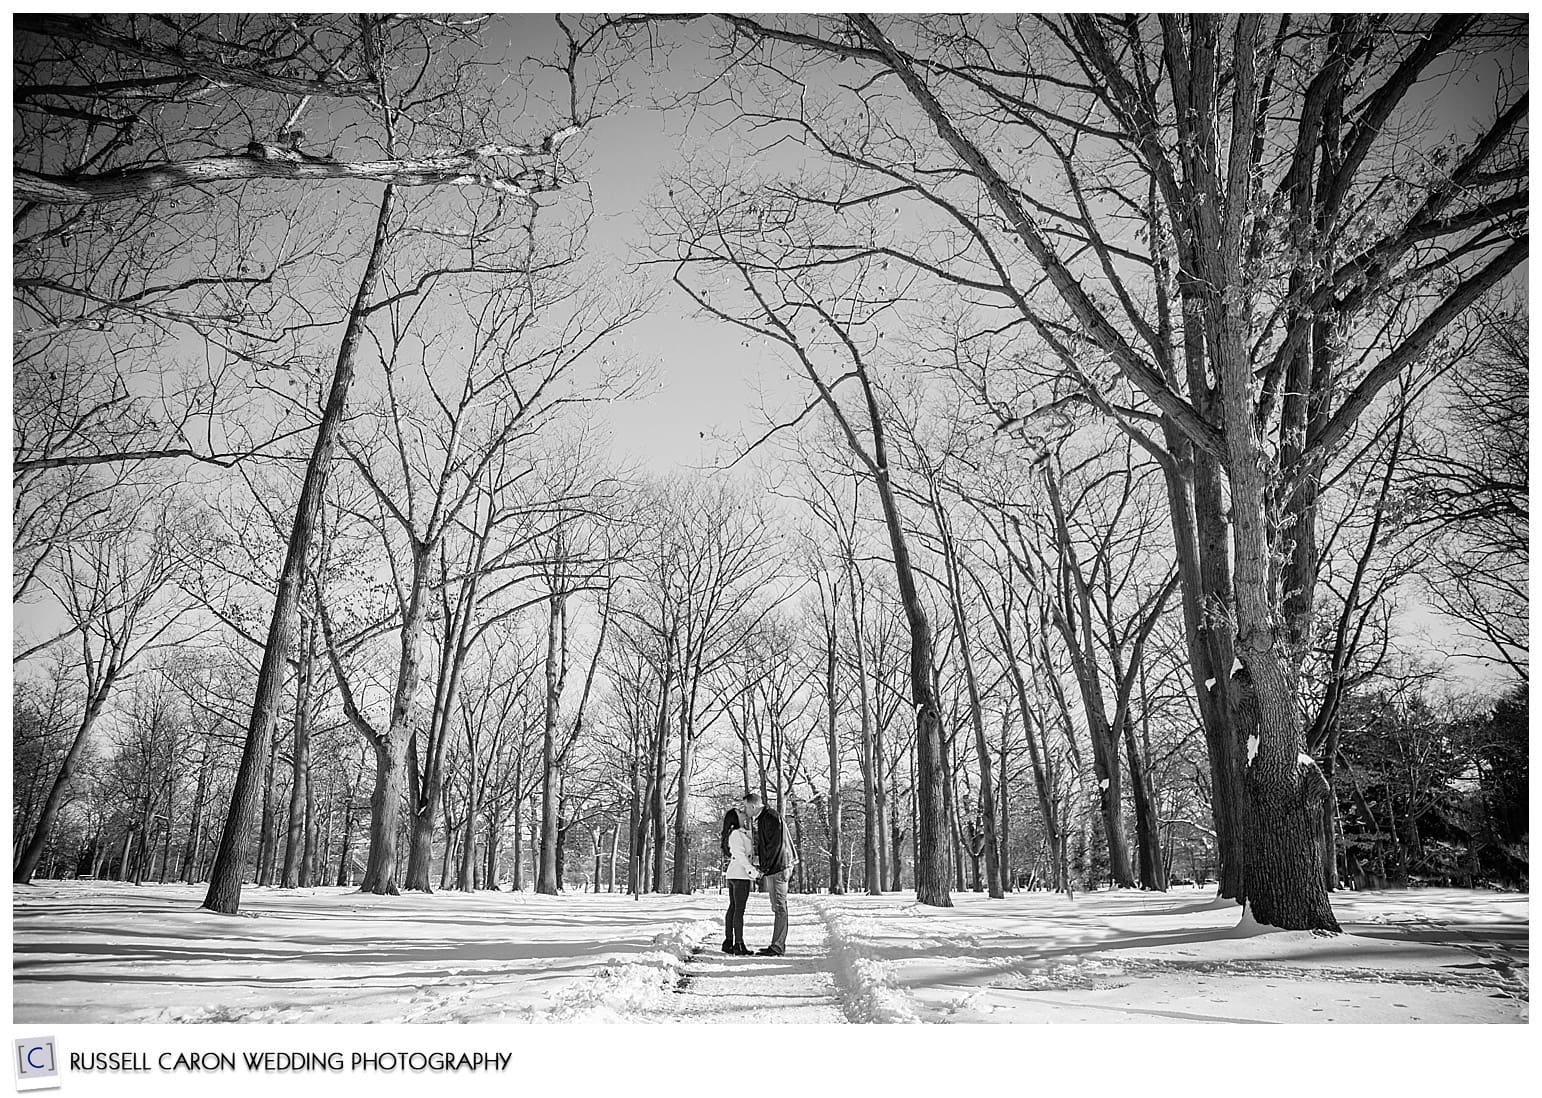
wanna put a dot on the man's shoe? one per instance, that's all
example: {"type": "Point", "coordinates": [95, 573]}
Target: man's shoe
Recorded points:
{"type": "Point", "coordinates": [769, 951]}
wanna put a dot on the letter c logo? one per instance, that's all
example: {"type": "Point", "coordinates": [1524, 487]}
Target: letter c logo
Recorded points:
{"type": "Point", "coordinates": [30, 1061]}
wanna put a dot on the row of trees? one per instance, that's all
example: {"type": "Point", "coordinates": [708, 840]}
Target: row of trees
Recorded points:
{"type": "Point", "coordinates": [1126, 344]}
{"type": "Point", "coordinates": [663, 650]}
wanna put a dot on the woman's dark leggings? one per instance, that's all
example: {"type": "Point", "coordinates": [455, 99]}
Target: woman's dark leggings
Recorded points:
{"type": "Point", "coordinates": [733, 921]}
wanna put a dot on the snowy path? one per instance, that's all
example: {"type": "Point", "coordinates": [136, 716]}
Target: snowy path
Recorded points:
{"type": "Point", "coordinates": [798, 987]}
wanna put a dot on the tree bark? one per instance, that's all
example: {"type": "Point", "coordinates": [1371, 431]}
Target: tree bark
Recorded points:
{"type": "Point", "coordinates": [870, 821]}
{"type": "Point", "coordinates": [656, 809]}
{"type": "Point", "coordinates": [1148, 832]}
{"type": "Point", "coordinates": [267, 845]}
{"type": "Point", "coordinates": [191, 849]}
{"type": "Point", "coordinates": [345, 854]}
{"type": "Point", "coordinates": [880, 798]}
{"type": "Point", "coordinates": [832, 744]}
{"type": "Point", "coordinates": [1220, 705]}
{"type": "Point", "coordinates": [1007, 882]}
{"type": "Point", "coordinates": [384, 819]}
{"type": "Point", "coordinates": [300, 765]}
{"type": "Point", "coordinates": [546, 881]}
{"type": "Point", "coordinates": [465, 876]}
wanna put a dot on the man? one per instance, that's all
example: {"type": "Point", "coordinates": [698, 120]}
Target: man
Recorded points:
{"type": "Point", "coordinates": [773, 855]}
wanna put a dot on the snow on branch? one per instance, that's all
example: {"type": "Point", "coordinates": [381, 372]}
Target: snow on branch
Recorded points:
{"type": "Point", "coordinates": [481, 166]}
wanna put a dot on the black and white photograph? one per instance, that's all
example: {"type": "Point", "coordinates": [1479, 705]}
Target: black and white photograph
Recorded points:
{"type": "Point", "coordinates": [804, 518]}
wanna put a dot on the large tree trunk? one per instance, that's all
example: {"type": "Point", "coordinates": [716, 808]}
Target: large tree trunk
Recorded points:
{"type": "Point", "coordinates": [191, 850]}
{"type": "Point", "coordinates": [1148, 821]}
{"type": "Point", "coordinates": [224, 893]}
{"type": "Point", "coordinates": [422, 812]}
{"type": "Point", "coordinates": [880, 799]}
{"type": "Point", "coordinates": [392, 749]}
{"type": "Point", "coordinates": [1220, 705]}
{"type": "Point", "coordinates": [1284, 883]}
{"type": "Point", "coordinates": [345, 855]}
{"type": "Point", "coordinates": [165, 842]}
{"type": "Point", "coordinates": [546, 880]}
{"type": "Point", "coordinates": [1330, 816]}
{"type": "Point", "coordinates": [519, 808]}
{"type": "Point", "coordinates": [488, 867]}
{"type": "Point", "coordinates": [123, 858]}
{"type": "Point", "coordinates": [384, 819]}
{"type": "Point", "coordinates": [656, 808]}
{"type": "Point", "coordinates": [465, 875]}
{"type": "Point", "coordinates": [832, 745]}
{"type": "Point", "coordinates": [300, 765]}
{"type": "Point", "coordinates": [634, 824]}
{"type": "Point", "coordinates": [309, 854]}
{"type": "Point", "coordinates": [1005, 817]}
{"type": "Point", "coordinates": [870, 821]}
{"type": "Point", "coordinates": [267, 845]}
{"type": "Point", "coordinates": [426, 776]}
{"type": "Point", "coordinates": [562, 840]}
{"type": "Point", "coordinates": [1148, 831]}
{"type": "Point", "coordinates": [1204, 579]}
{"type": "Point", "coordinates": [950, 810]}
{"type": "Point", "coordinates": [680, 885]}
{"type": "Point", "coordinates": [797, 845]}
{"type": "Point", "coordinates": [451, 857]}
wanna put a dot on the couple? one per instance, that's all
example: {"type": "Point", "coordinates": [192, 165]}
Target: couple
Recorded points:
{"type": "Point", "coordinates": [757, 846]}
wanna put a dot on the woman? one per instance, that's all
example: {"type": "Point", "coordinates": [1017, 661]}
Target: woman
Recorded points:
{"type": "Point", "coordinates": [736, 844]}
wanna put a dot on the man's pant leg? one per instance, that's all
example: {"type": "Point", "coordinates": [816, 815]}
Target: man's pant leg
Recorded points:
{"type": "Point", "coordinates": [776, 888]}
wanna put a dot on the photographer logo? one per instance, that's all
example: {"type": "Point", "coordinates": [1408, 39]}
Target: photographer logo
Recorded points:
{"type": "Point", "coordinates": [37, 1065]}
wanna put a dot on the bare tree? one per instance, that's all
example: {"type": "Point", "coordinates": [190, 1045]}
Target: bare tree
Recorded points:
{"type": "Point", "coordinates": [120, 596]}
{"type": "Point", "coordinates": [1473, 470]}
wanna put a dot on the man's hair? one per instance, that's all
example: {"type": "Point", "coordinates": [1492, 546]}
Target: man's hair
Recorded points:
{"type": "Point", "coordinates": [752, 798]}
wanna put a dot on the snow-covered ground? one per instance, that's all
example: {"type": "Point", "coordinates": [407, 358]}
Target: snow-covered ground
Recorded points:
{"type": "Point", "coordinates": [1431, 955]}
{"type": "Point", "coordinates": [108, 952]}
{"type": "Point", "coordinates": [105, 952]}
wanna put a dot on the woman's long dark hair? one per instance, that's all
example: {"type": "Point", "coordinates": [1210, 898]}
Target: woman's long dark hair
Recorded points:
{"type": "Point", "coordinates": [730, 824]}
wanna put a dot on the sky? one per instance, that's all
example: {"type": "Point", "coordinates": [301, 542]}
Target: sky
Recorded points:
{"type": "Point", "coordinates": [708, 383]}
